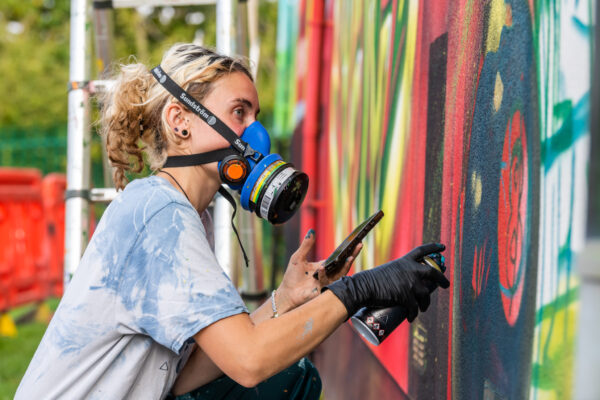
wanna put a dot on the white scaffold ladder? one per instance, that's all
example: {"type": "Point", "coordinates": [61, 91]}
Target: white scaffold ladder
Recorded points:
{"type": "Point", "coordinates": [79, 194]}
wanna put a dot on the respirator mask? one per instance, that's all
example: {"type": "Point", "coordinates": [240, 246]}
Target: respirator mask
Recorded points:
{"type": "Point", "coordinates": [268, 186]}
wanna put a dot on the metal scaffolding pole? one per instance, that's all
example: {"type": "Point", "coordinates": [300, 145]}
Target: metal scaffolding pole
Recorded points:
{"type": "Point", "coordinates": [78, 140]}
{"type": "Point", "coordinates": [103, 40]}
{"type": "Point", "coordinates": [222, 211]}
{"type": "Point", "coordinates": [252, 278]}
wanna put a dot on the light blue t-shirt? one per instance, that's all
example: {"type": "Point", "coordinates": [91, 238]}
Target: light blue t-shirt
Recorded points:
{"type": "Point", "coordinates": [147, 283]}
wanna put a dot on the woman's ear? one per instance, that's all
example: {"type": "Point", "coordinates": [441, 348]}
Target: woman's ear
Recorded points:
{"type": "Point", "coordinates": [175, 115]}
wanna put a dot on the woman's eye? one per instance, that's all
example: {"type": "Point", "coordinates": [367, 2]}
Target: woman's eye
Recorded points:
{"type": "Point", "coordinates": [239, 112]}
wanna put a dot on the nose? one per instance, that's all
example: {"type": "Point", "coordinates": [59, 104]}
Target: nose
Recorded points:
{"type": "Point", "coordinates": [250, 121]}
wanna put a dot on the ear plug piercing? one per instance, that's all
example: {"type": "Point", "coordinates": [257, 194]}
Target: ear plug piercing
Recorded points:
{"type": "Point", "coordinates": [184, 132]}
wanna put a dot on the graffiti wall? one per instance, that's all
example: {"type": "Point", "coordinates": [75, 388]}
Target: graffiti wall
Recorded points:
{"type": "Point", "coordinates": [466, 122]}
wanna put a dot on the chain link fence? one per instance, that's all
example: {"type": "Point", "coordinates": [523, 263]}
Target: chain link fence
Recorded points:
{"type": "Point", "coordinates": [44, 148]}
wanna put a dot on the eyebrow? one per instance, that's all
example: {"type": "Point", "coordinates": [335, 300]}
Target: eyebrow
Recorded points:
{"type": "Point", "coordinates": [245, 102]}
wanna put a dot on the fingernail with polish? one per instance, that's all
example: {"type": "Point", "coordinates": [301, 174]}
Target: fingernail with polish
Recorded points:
{"type": "Point", "coordinates": [310, 233]}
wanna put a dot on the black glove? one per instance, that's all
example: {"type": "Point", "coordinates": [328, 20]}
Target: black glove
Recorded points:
{"type": "Point", "coordinates": [403, 281]}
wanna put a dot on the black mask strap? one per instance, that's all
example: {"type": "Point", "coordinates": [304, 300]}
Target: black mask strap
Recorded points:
{"type": "Point", "coordinates": [204, 113]}
{"type": "Point", "coordinates": [197, 159]}
{"type": "Point", "coordinates": [231, 200]}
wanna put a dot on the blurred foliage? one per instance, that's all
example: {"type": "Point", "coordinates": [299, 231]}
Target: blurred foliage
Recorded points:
{"type": "Point", "coordinates": [34, 62]}
{"type": "Point", "coordinates": [34, 59]}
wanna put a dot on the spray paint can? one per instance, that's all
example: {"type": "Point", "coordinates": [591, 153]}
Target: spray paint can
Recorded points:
{"type": "Point", "coordinates": [376, 324]}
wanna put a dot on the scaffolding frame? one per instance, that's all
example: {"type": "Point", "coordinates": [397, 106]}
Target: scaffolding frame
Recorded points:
{"type": "Point", "coordinates": [79, 195]}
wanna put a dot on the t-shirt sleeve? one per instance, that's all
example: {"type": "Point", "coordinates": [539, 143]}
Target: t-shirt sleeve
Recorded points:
{"type": "Point", "coordinates": [172, 285]}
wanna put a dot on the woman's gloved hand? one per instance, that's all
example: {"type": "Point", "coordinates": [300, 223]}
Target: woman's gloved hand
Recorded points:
{"type": "Point", "coordinates": [403, 281]}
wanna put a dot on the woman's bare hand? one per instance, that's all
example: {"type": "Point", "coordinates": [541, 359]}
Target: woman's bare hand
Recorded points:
{"type": "Point", "coordinates": [299, 285]}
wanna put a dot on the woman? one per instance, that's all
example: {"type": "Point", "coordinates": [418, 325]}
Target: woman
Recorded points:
{"type": "Point", "coordinates": [150, 313]}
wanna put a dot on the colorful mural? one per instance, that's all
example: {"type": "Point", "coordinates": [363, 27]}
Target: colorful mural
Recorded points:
{"type": "Point", "coordinates": [466, 122]}
{"type": "Point", "coordinates": [564, 56]}
{"type": "Point", "coordinates": [285, 96]}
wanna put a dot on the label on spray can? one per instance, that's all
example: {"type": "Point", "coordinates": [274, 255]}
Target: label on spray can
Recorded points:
{"type": "Point", "coordinates": [376, 324]}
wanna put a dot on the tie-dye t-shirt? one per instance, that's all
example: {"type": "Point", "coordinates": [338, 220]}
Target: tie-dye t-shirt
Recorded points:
{"type": "Point", "coordinates": [148, 282]}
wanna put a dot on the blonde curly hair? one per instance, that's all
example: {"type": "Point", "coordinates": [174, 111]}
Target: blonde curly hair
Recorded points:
{"type": "Point", "coordinates": [132, 117]}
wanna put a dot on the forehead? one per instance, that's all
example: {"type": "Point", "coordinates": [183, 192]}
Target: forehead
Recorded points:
{"type": "Point", "coordinates": [235, 85]}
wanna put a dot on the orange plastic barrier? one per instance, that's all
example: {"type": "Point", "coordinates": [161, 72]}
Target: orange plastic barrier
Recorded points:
{"type": "Point", "coordinates": [53, 192]}
{"type": "Point", "coordinates": [24, 257]}
{"type": "Point", "coordinates": [32, 236]}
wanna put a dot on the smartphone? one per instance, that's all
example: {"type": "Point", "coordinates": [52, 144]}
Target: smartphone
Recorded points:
{"type": "Point", "coordinates": [336, 260]}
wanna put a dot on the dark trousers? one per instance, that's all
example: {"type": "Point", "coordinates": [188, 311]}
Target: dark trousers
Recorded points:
{"type": "Point", "coordinates": [301, 381]}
